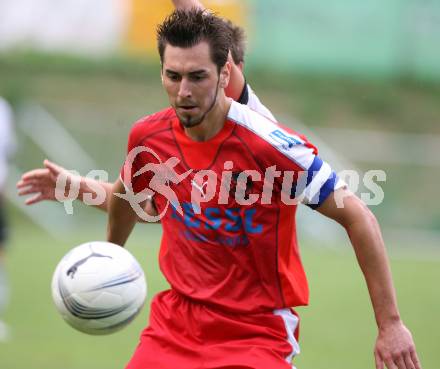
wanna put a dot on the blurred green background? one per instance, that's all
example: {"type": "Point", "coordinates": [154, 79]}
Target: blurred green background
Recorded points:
{"type": "Point", "coordinates": [375, 106]}
{"type": "Point", "coordinates": [97, 103]}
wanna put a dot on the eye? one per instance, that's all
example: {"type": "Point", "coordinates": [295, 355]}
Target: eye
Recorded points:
{"type": "Point", "coordinates": [197, 77]}
{"type": "Point", "coordinates": [173, 77]}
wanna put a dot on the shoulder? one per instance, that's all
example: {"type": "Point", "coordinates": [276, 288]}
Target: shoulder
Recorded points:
{"type": "Point", "coordinates": [268, 138]}
{"type": "Point", "coordinates": [151, 125]}
{"type": "Point", "coordinates": [260, 125]}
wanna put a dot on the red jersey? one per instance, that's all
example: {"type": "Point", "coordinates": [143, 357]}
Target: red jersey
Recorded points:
{"type": "Point", "coordinates": [229, 251]}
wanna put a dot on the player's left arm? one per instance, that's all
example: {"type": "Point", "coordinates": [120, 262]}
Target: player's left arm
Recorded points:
{"type": "Point", "coordinates": [394, 345]}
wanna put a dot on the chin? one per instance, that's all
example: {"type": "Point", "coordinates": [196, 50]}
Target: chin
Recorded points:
{"type": "Point", "coordinates": [189, 122]}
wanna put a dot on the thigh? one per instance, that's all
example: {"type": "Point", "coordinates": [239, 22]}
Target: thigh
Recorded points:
{"type": "Point", "coordinates": [183, 334]}
{"type": "Point", "coordinates": [169, 341]}
{"type": "Point", "coordinates": [241, 341]}
{"type": "Point", "coordinates": [152, 353]}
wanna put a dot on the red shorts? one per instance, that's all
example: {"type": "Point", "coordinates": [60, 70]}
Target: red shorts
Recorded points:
{"type": "Point", "coordinates": [184, 334]}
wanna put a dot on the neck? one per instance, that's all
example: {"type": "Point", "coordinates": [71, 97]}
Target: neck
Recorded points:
{"type": "Point", "coordinates": [213, 122]}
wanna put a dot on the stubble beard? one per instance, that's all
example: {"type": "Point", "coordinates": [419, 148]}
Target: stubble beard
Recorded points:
{"type": "Point", "coordinates": [189, 122]}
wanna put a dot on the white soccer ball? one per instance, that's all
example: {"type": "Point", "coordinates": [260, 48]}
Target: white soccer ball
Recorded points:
{"type": "Point", "coordinates": [98, 287]}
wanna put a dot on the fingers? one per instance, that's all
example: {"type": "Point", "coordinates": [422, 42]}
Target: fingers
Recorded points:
{"type": "Point", "coordinates": [27, 190]}
{"type": "Point", "coordinates": [53, 168]}
{"type": "Point", "coordinates": [390, 364]}
{"type": "Point", "coordinates": [39, 182]}
{"type": "Point", "coordinates": [35, 174]}
{"type": "Point", "coordinates": [395, 346]}
{"type": "Point", "coordinates": [21, 184]}
{"type": "Point", "coordinates": [415, 358]}
{"type": "Point", "coordinates": [378, 360]}
{"type": "Point", "coordinates": [408, 361]}
{"type": "Point", "coordinates": [42, 173]}
{"type": "Point", "coordinates": [34, 199]}
{"type": "Point", "coordinates": [400, 363]}
{"type": "Point", "coordinates": [28, 183]}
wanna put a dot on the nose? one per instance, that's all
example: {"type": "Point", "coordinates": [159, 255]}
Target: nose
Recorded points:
{"type": "Point", "coordinates": [184, 89]}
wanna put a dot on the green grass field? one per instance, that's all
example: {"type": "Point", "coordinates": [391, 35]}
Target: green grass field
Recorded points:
{"type": "Point", "coordinates": [337, 331]}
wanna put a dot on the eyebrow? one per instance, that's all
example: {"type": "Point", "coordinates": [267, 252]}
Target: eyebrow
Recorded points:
{"type": "Point", "coordinates": [170, 71]}
{"type": "Point", "coordinates": [195, 72]}
{"type": "Point", "coordinates": [200, 71]}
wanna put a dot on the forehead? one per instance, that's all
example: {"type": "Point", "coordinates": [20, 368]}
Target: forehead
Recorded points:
{"type": "Point", "coordinates": [184, 60]}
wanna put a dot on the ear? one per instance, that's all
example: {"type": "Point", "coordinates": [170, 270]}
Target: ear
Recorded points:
{"type": "Point", "coordinates": [161, 74]}
{"type": "Point", "coordinates": [225, 74]}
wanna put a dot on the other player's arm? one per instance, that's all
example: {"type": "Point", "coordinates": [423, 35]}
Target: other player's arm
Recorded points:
{"type": "Point", "coordinates": [121, 216]}
{"type": "Point", "coordinates": [394, 345]}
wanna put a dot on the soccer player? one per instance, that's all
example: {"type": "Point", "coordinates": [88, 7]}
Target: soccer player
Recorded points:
{"type": "Point", "coordinates": [230, 258]}
{"type": "Point", "coordinates": [41, 182]}
{"type": "Point", "coordinates": [6, 149]}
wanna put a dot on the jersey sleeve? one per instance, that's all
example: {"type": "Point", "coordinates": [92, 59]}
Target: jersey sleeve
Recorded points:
{"type": "Point", "coordinates": [313, 179]}
{"type": "Point", "coordinates": [134, 161]}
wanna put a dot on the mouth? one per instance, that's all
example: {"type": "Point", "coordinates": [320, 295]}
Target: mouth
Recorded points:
{"type": "Point", "coordinates": [187, 107]}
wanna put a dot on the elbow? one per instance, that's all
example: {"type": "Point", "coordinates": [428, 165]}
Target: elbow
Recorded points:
{"type": "Point", "coordinates": [358, 213]}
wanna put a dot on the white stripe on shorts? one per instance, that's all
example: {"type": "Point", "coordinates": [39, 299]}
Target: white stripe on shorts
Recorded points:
{"type": "Point", "coordinates": [291, 323]}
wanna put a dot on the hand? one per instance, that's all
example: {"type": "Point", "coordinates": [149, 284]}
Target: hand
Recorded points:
{"type": "Point", "coordinates": [395, 348]}
{"type": "Point", "coordinates": [41, 183]}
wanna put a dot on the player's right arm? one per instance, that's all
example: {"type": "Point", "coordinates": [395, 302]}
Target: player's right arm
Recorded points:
{"type": "Point", "coordinates": [41, 183]}
{"type": "Point", "coordinates": [121, 216]}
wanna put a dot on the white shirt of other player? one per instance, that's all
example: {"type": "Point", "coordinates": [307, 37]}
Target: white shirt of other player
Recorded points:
{"type": "Point", "coordinates": [255, 104]}
{"type": "Point", "coordinates": [7, 139]}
